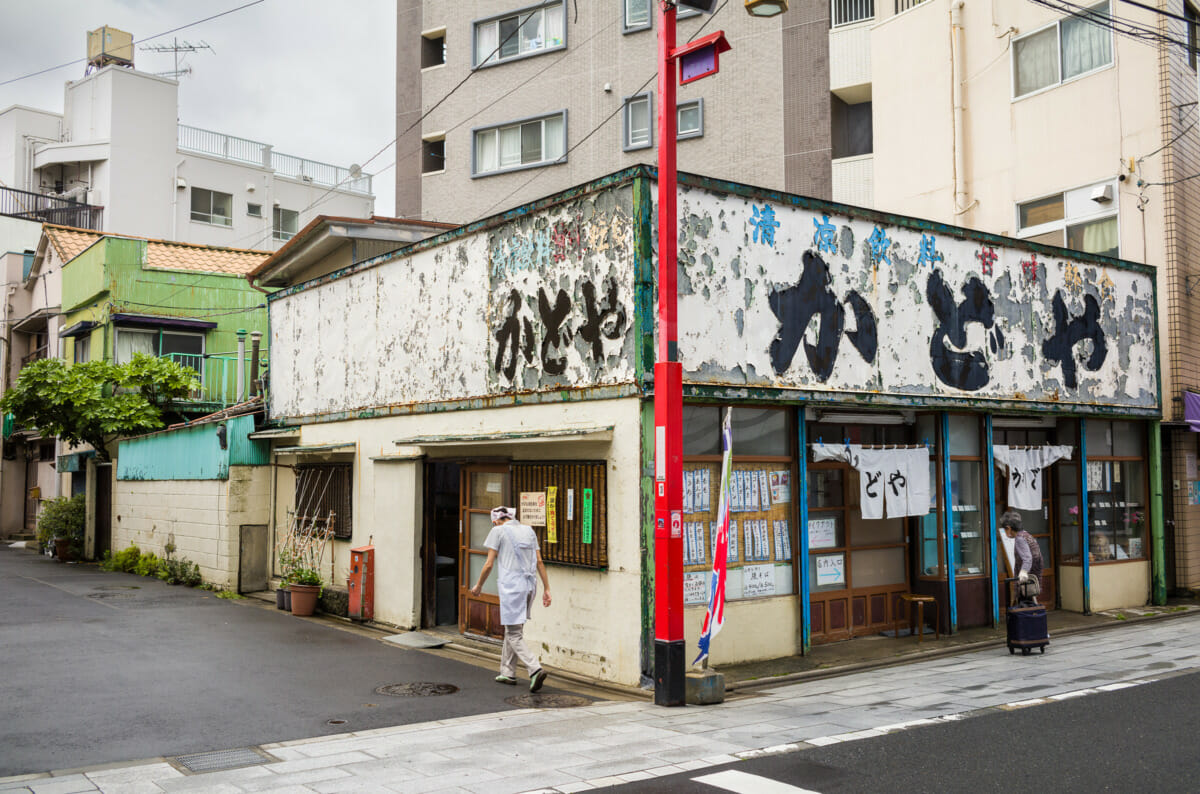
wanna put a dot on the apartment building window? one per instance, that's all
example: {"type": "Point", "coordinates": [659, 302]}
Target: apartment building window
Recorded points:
{"type": "Point", "coordinates": [529, 31]}
{"type": "Point", "coordinates": [689, 119]}
{"type": "Point", "coordinates": [639, 111]}
{"type": "Point", "coordinates": [82, 349]}
{"type": "Point", "coordinates": [209, 206]}
{"type": "Point", "coordinates": [1083, 219]}
{"type": "Point", "coordinates": [639, 121]}
{"type": "Point", "coordinates": [254, 210]}
{"type": "Point", "coordinates": [285, 224]}
{"type": "Point", "coordinates": [1068, 48]}
{"type": "Point", "coordinates": [639, 15]}
{"type": "Point", "coordinates": [527, 143]}
{"type": "Point", "coordinates": [433, 154]}
{"type": "Point", "coordinates": [851, 127]}
{"type": "Point", "coordinates": [1193, 19]}
{"type": "Point", "coordinates": [433, 48]}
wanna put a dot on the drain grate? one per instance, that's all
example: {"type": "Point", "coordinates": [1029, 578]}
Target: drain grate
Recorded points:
{"type": "Point", "coordinates": [223, 759]}
{"type": "Point", "coordinates": [532, 701]}
{"type": "Point", "coordinates": [418, 689]}
{"type": "Point", "coordinates": [109, 595]}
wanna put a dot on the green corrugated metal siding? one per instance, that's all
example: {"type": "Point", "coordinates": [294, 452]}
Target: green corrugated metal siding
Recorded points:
{"type": "Point", "coordinates": [188, 453]}
{"type": "Point", "coordinates": [244, 451]}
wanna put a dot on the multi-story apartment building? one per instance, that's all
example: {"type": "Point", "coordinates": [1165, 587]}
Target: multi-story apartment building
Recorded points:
{"type": "Point", "coordinates": [1069, 124]}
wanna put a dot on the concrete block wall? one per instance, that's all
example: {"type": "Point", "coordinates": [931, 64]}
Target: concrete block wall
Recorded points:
{"type": "Point", "coordinates": [192, 514]}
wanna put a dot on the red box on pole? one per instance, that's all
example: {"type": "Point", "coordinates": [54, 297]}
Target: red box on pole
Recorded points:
{"type": "Point", "coordinates": [362, 583]}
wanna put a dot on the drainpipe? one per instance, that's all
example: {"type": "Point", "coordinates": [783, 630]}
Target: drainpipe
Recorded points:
{"type": "Point", "coordinates": [956, 81]}
{"type": "Point", "coordinates": [239, 395]}
{"type": "Point", "coordinates": [255, 341]}
{"type": "Point", "coordinates": [175, 202]}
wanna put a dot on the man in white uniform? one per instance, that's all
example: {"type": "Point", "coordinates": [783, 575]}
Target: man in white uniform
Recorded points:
{"type": "Point", "coordinates": [520, 564]}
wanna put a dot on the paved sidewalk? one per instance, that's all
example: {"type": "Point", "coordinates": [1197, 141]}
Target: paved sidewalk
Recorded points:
{"type": "Point", "coordinates": [608, 743]}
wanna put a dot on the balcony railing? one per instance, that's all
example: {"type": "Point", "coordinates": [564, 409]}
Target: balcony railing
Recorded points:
{"type": "Point", "coordinates": [847, 12]}
{"type": "Point", "coordinates": [49, 209]}
{"type": "Point", "coordinates": [218, 377]}
{"type": "Point", "coordinates": [242, 150]}
{"type": "Point", "coordinates": [35, 354]}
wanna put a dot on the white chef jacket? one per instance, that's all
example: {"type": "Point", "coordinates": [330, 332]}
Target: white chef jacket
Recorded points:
{"type": "Point", "coordinates": [516, 548]}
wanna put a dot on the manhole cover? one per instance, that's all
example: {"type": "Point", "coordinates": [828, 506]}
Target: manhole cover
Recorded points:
{"type": "Point", "coordinates": [117, 587]}
{"type": "Point", "coordinates": [335, 722]}
{"type": "Point", "coordinates": [532, 701]}
{"type": "Point", "coordinates": [109, 595]}
{"type": "Point", "coordinates": [419, 689]}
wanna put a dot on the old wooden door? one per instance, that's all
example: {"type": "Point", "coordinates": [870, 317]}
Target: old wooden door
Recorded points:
{"type": "Point", "coordinates": [483, 487]}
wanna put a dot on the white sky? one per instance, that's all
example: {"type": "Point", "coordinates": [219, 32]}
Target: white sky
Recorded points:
{"type": "Point", "coordinates": [313, 78]}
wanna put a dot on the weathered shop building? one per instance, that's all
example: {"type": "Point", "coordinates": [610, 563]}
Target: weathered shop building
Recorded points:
{"type": "Point", "coordinates": [511, 360]}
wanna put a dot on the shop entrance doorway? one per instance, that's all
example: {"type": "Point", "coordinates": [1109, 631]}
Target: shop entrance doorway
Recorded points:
{"type": "Point", "coordinates": [482, 488]}
{"type": "Point", "coordinates": [1040, 523]}
{"type": "Point", "coordinates": [440, 547]}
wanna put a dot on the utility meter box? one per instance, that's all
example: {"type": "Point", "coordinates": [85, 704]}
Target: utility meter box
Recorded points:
{"type": "Point", "coordinates": [108, 45]}
{"type": "Point", "coordinates": [362, 583]}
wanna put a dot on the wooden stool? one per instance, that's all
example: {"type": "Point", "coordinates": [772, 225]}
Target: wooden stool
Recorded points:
{"type": "Point", "coordinates": [921, 600]}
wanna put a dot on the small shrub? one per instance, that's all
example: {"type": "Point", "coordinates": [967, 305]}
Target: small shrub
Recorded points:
{"type": "Point", "coordinates": [181, 571]}
{"type": "Point", "coordinates": [63, 517]}
{"type": "Point", "coordinates": [147, 565]}
{"type": "Point", "coordinates": [125, 560]}
{"type": "Point", "coordinates": [232, 596]}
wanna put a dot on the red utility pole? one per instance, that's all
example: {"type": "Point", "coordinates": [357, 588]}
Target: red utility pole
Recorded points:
{"type": "Point", "coordinates": [669, 662]}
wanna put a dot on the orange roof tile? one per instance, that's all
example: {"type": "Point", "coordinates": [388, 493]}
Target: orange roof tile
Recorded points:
{"type": "Point", "coordinates": [162, 254]}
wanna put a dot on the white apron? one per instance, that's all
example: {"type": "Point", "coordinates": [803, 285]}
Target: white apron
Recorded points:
{"type": "Point", "coordinates": [517, 585]}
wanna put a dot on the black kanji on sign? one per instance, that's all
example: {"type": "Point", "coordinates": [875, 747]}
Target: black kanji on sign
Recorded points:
{"type": "Point", "coordinates": [605, 318]}
{"type": "Point", "coordinates": [509, 338]}
{"type": "Point", "coordinates": [1070, 331]}
{"type": "Point", "coordinates": [962, 369]}
{"type": "Point", "coordinates": [795, 308]}
{"type": "Point", "coordinates": [554, 334]}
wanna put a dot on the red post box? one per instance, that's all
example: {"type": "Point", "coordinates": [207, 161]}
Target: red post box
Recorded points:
{"type": "Point", "coordinates": [362, 583]}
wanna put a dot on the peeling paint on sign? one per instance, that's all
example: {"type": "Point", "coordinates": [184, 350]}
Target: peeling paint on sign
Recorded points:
{"type": "Point", "coordinates": [816, 300]}
{"type": "Point", "coordinates": [541, 303]}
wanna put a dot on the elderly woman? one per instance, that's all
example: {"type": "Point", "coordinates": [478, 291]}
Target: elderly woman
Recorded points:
{"type": "Point", "coordinates": [516, 546]}
{"type": "Point", "coordinates": [1029, 553]}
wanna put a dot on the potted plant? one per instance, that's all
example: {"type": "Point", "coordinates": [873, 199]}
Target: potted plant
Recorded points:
{"type": "Point", "coordinates": [305, 586]}
{"type": "Point", "coordinates": [61, 524]}
{"type": "Point", "coordinates": [287, 565]}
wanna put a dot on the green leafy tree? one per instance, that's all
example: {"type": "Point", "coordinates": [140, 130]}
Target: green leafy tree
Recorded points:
{"type": "Point", "coordinates": [96, 402]}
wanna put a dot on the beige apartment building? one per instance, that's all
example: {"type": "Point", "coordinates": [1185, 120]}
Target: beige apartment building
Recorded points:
{"type": "Point", "coordinates": [1070, 124]}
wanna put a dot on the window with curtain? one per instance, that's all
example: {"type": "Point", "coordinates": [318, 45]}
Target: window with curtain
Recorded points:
{"type": "Point", "coordinates": [130, 342]}
{"type": "Point", "coordinates": [1072, 46]}
{"type": "Point", "coordinates": [524, 144]}
{"type": "Point", "coordinates": [517, 34]}
{"type": "Point", "coordinates": [637, 15]}
{"type": "Point", "coordinates": [1083, 219]}
{"type": "Point", "coordinates": [690, 119]}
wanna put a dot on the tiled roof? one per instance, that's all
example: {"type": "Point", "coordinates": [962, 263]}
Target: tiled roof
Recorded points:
{"type": "Point", "coordinates": [162, 254]}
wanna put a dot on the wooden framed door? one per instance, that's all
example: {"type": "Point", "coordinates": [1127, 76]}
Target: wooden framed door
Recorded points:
{"type": "Point", "coordinates": [483, 487]}
{"type": "Point", "coordinates": [1042, 524]}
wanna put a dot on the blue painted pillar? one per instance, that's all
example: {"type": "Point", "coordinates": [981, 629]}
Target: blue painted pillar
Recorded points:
{"type": "Point", "coordinates": [802, 534]}
{"type": "Point", "coordinates": [990, 462]}
{"type": "Point", "coordinates": [1085, 523]}
{"type": "Point", "coordinates": [949, 505]}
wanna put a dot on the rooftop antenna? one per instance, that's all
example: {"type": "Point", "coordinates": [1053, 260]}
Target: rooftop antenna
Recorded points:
{"type": "Point", "coordinates": [176, 46]}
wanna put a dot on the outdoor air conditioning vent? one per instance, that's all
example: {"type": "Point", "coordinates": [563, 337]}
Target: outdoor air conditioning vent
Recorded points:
{"type": "Point", "coordinates": [1102, 194]}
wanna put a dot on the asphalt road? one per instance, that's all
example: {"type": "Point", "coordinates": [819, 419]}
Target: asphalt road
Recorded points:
{"type": "Point", "coordinates": [1138, 739]}
{"type": "Point", "coordinates": [102, 667]}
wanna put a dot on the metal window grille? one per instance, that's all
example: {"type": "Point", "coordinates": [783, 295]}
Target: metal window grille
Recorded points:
{"type": "Point", "coordinates": [846, 12]}
{"type": "Point", "coordinates": [569, 547]}
{"type": "Point", "coordinates": [904, 5]}
{"type": "Point", "coordinates": [322, 490]}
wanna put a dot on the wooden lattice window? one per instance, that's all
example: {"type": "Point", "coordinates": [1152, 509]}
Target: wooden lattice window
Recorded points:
{"type": "Point", "coordinates": [322, 490]}
{"type": "Point", "coordinates": [576, 528]}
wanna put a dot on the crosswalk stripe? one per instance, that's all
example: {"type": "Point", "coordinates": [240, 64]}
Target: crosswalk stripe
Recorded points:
{"type": "Point", "coordinates": [745, 783]}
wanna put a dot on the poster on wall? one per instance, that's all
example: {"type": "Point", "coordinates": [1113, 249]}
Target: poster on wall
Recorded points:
{"type": "Point", "coordinates": [831, 570]}
{"type": "Point", "coordinates": [822, 533]}
{"type": "Point", "coordinates": [1194, 492]}
{"type": "Point", "coordinates": [695, 587]}
{"type": "Point", "coordinates": [1096, 479]}
{"type": "Point", "coordinates": [1189, 464]}
{"type": "Point", "coordinates": [551, 514]}
{"type": "Point", "coordinates": [758, 580]}
{"type": "Point", "coordinates": [781, 486]}
{"type": "Point", "coordinates": [533, 508]}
